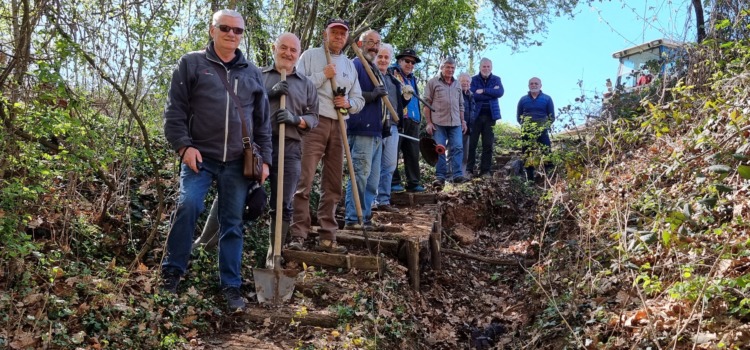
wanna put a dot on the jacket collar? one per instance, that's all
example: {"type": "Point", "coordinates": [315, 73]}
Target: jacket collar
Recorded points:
{"type": "Point", "coordinates": [212, 56]}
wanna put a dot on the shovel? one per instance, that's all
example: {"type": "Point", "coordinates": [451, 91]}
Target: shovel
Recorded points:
{"type": "Point", "coordinates": [274, 284]}
{"type": "Point", "coordinates": [347, 151]}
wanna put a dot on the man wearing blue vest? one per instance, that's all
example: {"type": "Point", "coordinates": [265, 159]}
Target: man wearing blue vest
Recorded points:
{"type": "Point", "coordinates": [487, 89]}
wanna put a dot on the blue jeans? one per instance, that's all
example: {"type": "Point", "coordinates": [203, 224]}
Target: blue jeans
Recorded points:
{"type": "Point", "coordinates": [232, 189]}
{"type": "Point", "coordinates": [388, 164]}
{"type": "Point", "coordinates": [452, 138]}
{"type": "Point", "coordinates": [366, 155]}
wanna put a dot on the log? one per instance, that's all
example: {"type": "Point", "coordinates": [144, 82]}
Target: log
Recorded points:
{"type": "Point", "coordinates": [412, 256]}
{"type": "Point", "coordinates": [494, 261]}
{"type": "Point", "coordinates": [435, 249]}
{"type": "Point", "coordinates": [348, 261]}
{"type": "Point", "coordinates": [412, 199]}
{"type": "Point", "coordinates": [321, 318]}
{"type": "Point", "coordinates": [386, 246]}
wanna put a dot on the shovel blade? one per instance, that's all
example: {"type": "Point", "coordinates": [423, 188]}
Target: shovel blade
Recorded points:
{"type": "Point", "coordinates": [274, 285]}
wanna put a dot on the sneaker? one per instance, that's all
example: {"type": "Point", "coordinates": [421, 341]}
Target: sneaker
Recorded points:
{"type": "Point", "coordinates": [328, 246]}
{"type": "Point", "coordinates": [386, 208]}
{"type": "Point", "coordinates": [459, 180]}
{"type": "Point", "coordinates": [297, 243]}
{"type": "Point", "coordinates": [417, 188]}
{"type": "Point", "coordinates": [170, 280]}
{"type": "Point", "coordinates": [235, 301]}
{"type": "Point", "coordinates": [397, 189]}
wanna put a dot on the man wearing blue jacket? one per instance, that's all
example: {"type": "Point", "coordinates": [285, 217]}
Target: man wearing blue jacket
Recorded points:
{"type": "Point", "coordinates": [487, 89]}
{"type": "Point", "coordinates": [364, 132]}
{"type": "Point", "coordinates": [203, 124]}
{"type": "Point", "coordinates": [403, 71]}
{"type": "Point", "coordinates": [535, 113]}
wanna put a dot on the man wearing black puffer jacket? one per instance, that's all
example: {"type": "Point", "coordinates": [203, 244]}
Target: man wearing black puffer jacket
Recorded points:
{"type": "Point", "coordinates": [203, 124]}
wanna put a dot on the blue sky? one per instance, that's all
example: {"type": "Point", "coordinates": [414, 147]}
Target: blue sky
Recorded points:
{"type": "Point", "coordinates": [581, 49]}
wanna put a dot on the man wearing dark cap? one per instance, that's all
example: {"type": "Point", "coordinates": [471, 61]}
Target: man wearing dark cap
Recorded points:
{"type": "Point", "coordinates": [403, 71]}
{"type": "Point", "coordinates": [325, 142]}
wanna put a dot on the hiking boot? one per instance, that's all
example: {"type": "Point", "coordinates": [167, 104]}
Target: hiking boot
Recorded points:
{"type": "Point", "coordinates": [352, 226]}
{"type": "Point", "coordinates": [328, 246]}
{"type": "Point", "coordinates": [459, 180]}
{"type": "Point", "coordinates": [170, 280]}
{"type": "Point", "coordinates": [235, 301]}
{"type": "Point", "coordinates": [438, 183]}
{"type": "Point", "coordinates": [417, 188]}
{"type": "Point", "coordinates": [386, 208]}
{"type": "Point", "coordinates": [297, 243]}
{"type": "Point", "coordinates": [397, 189]}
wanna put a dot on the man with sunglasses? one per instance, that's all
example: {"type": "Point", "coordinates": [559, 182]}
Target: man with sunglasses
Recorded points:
{"type": "Point", "coordinates": [325, 143]}
{"type": "Point", "coordinates": [403, 71]}
{"type": "Point", "coordinates": [203, 120]}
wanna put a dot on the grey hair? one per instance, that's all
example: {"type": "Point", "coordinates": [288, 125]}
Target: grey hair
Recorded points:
{"type": "Point", "coordinates": [447, 60]}
{"type": "Point", "coordinates": [388, 47]}
{"type": "Point", "coordinates": [366, 33]}
{"type": "Point", "coordinates": [484, 59]}
{"type": "Point", "coordinates": [230, 13]}
{"type": "Point", "coordinates": [464, 74]}
{"type": "Point", "coordinates": [278, 38]}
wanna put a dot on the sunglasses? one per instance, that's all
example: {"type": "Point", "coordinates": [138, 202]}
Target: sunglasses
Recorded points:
{"type": "Point", "coordinates": [225, 28]}
{"type": "Point", "coordinates": [410, 62]}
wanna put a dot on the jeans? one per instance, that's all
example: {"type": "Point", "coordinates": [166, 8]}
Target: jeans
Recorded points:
{"type": "Point", "coordinates": [366, 153]}
{"type": "Point", "coordinates": [543, 144]}
{"type": "Point", "coordinates": [232, 189]}
{"type": "Point", "coordinates": [482, 127]}
{"type": "Point", "coordinates": [292, 169]}
{"type": "Point", "coordinates": [451, 137]}
{"type": "Point", "coordinates": [388, 164]}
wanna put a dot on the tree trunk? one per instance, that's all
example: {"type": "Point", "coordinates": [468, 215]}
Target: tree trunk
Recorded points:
{"type": "Point", "coordinates": [700, 22]}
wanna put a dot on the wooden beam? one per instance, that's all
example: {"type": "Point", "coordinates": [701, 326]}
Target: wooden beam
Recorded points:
{"type": "Point", "coordinates": [348, 261]}
{"type": "Point", "coordinates": [517, 261]}
{"type": "Point", "coordinates": [321, 318]}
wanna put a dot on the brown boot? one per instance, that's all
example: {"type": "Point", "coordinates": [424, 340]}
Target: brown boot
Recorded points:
{"type": "Point", "coordinates": [329, 246]}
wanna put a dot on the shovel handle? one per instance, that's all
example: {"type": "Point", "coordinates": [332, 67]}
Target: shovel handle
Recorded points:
{"type": "Point", "coordinates": [348, 152]}
{"type": "Point", "coordinates": [375, 80]}
{"type": "Point", "coordinates": [279, 184]}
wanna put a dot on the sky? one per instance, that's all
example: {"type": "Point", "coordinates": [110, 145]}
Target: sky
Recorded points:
{"type": "Point", "coordinates": [581, 49]}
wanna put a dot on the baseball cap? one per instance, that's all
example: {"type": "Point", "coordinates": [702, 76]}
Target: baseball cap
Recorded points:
{"type": "Point", "coordinates": [337, 22]}
{"type": "Point", "coordinates": [408, 52]}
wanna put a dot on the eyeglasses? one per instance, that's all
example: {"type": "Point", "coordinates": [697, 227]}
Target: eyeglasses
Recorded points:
{"type": "Point", "coordinates": [225, 28]}
{"type": "Point", "coordinates": [372, 42]}
{"type": "Point", "coordinates": [412, 62]}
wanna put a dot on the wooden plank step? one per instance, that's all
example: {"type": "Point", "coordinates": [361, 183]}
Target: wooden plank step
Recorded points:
{"type": "Point", "coordinates": [284, 315]}
{"type": "Point", "coordinates": [345, 261]}
{"type": "Point", "coordinates": [412, 199]}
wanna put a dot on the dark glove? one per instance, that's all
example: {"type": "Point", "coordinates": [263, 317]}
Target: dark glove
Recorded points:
{"type": "Point", "coordinates": [280, 88]}
{"type": "Point", "coordinates": [380, 91]}
{"type": "Point", "coordinates": [285, 117]}
{"type": "Point", "coordinates": [375, 94]}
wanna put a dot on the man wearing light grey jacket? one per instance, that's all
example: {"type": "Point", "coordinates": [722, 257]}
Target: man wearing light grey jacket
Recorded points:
{"type": "Point", "coordinates": [325, 143]}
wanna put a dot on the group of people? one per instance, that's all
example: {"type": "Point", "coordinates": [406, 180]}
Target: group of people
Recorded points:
{"type": "Point", "coordinates": [216, 92]}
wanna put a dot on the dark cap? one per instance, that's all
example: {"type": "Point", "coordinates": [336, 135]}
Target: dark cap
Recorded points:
{"type": "Point", "coordinates": [408, 52]}
{"type": "Point", "coordinates": [337, 22]}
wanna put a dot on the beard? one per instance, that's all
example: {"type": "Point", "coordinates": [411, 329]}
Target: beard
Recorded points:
{"type": "Point", "coordinates": [535, 90]}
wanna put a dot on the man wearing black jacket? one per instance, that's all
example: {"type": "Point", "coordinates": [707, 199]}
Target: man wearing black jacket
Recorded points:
{"type": "Point", "coordinates": [203, 124]}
